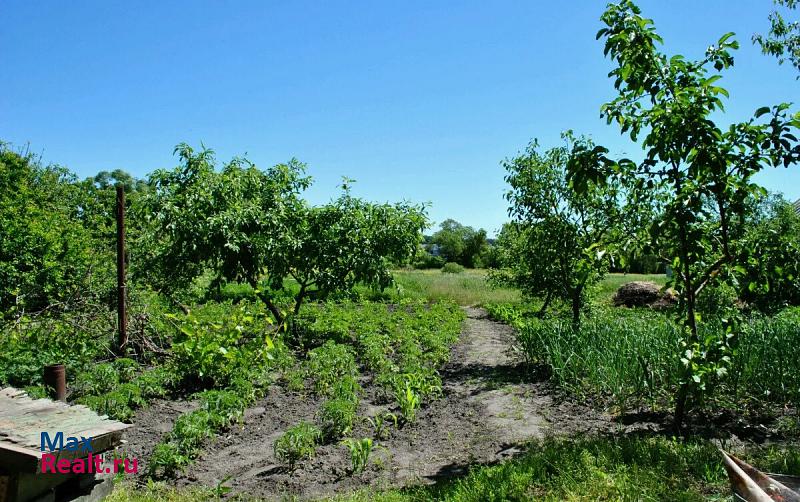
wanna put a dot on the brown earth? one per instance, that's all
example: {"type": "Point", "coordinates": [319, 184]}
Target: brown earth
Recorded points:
{"type": "Point", "coordinates": [643, 294]}
{"type": "Point", "coordinates": [492, 403]}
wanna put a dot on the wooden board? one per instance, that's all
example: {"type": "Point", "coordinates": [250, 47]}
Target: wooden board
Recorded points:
{"type": "Point", "coordinates": [22, 421]}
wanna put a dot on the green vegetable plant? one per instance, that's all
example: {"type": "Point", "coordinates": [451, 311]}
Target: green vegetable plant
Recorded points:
{"type": "Point", "coordinates": [337, 417]}
{"type": "Point", "coordinates": [360, 450]}
{"type": "Point", "coordinates": [297, 443]}
{"type": "Point", "coordinates": [330, 363]}
{"type": "Point", "coordinates": [210, 349]}
{"type": "Point", "coordinates": [409, 402]}
{"type": "Point", "coordinates": [381, 422]}
{"type": "Point", "coordinates": [166, 461]}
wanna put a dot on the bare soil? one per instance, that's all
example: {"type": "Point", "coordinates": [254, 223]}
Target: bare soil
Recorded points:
{"type": "Point", "coordinates": [491, 405]}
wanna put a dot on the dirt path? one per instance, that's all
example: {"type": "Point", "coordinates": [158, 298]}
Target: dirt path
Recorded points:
{"type": "Point", "coordinates": [489, 408]}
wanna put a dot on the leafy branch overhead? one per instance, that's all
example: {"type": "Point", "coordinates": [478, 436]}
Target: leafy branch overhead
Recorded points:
{"type": "Point", "coordinates": [783, 39]}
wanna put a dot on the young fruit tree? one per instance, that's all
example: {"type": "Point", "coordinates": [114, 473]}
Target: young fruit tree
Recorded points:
{"type": "Point", "coordinates": [560, 241]}
{"type": "Point", "coordinates": [248, 225]}
{"type": "Point", "coordinates": [669, 105]}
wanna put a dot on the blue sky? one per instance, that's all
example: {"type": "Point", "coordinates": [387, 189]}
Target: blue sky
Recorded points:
{"type": "Point", "coordinates": [416, 100]}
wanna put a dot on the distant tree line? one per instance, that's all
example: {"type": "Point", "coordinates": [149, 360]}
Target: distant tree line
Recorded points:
{"type": "Point", "coordinates": [456, 243]}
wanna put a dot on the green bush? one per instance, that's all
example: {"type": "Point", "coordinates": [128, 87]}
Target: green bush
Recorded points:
{"type": "Point", "coordinates": [424, 260]}
{"type": "Point", "coordinates": [452, 268]}
{"type": "Point", "coordinates": [216, 342]}
{"type": "Point", "coordinates": [31, 343]}
{"type": "Point", "coordinates": [48, 253]}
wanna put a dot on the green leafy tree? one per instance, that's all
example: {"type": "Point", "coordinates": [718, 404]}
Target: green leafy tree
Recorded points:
{"type": "Point", "coordinates": [459, 243]}
{"type": "Point", "coordinates": [47, 255]}
{"type": "Point", "coordinates": [558, 244]}
{"type": "Point", "coordinates": [97, 209]}
{"type": "Point", "coordinates": [783, 39]}
{"type": "Point", "coordinates": [668, 104]}
{"type": "Point", "coordinates": [769, 272]}
{"type": "Point", "coordinates": [247, 225]}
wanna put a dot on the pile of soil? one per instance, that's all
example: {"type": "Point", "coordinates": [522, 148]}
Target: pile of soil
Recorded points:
{"type": "Point", "coordinates": [643, 294]}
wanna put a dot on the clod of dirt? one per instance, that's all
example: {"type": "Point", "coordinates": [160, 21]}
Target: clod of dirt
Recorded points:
{"type": "Point", "coordinates": [642, 294]}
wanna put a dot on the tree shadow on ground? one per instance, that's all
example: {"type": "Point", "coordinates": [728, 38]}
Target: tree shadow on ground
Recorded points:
{"type": "Point", "coordinates": [495, 376]}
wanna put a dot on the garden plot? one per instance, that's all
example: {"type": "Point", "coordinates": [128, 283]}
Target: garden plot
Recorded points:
{"type": "Point", "coordinates": [486, 407]}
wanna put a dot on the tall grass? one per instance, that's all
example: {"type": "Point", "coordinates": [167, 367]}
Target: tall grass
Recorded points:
{"type": "Point", "coordinates": [632, 356]}
{"type": "Point", "coordinates": [467, 288]}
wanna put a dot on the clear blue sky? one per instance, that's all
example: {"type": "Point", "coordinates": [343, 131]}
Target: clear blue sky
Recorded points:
{"type": "Point", "coordinates": [416, 100]}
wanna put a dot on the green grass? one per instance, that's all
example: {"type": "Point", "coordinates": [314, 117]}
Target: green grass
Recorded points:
{"type": "Point", "coordinates": [466, 288]}
{"type": "Point", "coordinates": [611, 283]}
{"type": "Point", "coordinates": [470, 287]}
{"type": "Point", "coordinates": [631, 356]}
{"type": "Point", "coordinates": [631, 468]}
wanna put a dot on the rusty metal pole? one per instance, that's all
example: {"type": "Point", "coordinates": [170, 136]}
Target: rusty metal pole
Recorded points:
{"type": "Point", "coordinates": [122, 314]}
{"type": "Point", "coordinates": [55, 380]}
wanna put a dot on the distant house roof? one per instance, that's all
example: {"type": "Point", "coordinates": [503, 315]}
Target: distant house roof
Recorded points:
{"type": "Point", "coordinates": [797, 206]}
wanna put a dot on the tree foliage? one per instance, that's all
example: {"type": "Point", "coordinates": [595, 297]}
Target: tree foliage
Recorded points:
{"type": "Point", "coordinates": [460, 243]}
{"type": "Point", "coordinates": [783, 39]}
{"type": "Point", "coordinates": [668, 104]}
{"type": "Point", "coordinates": [558, 244]}
{"type": "Point", "coordinates": [769, 272]}
{"type": "Point", "coordinates": [251, 225]}
{"type": "Point", "coordinates": [47, 254]}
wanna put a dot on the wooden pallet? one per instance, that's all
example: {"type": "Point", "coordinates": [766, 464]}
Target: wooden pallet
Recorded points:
{"type": "Point", "coordinates": [22, 421]}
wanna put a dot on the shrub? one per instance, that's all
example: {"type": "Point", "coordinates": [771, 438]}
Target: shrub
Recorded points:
{"type": "Point", "coordinates": [452, 268]}
{"type": "Point", "coordinates": [297, 443]}
{"type": "Point", "coordinates": [219, 341]}
{"type": "Point", "coordinates": [425, 260]}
